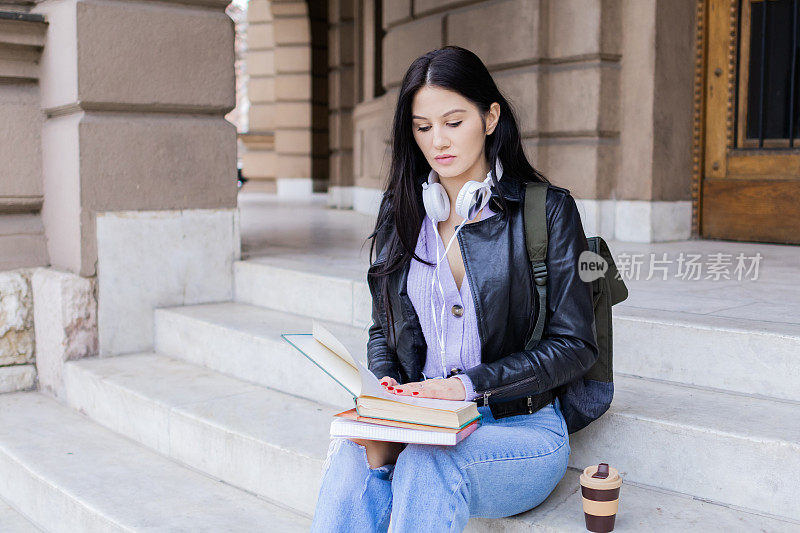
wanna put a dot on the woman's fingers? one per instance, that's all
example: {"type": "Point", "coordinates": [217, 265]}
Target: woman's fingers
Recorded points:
{"type": "Point", "coordinates": [446, 389]}
{"type": "Point", "coordinates": [415, 388]}
{"type": "Point", "coordinates": [387, 381]}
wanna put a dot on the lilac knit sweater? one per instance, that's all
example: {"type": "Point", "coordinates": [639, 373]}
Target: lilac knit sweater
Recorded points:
{"type": "Point", "coordinates": [461, 340]}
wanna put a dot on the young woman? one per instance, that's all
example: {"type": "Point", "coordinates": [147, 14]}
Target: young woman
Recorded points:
{"type": "Point", "coordinates": [452, 322]}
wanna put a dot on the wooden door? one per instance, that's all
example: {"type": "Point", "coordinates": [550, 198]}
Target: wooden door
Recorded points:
{"type": "Point", "coordinates": [750, 177]}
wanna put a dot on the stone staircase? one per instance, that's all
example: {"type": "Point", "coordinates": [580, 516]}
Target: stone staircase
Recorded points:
{"type": "Point", "coordinates": [224, 426]}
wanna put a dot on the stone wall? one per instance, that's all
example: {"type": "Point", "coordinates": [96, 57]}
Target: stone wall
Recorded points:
{"type": "Point", "coordinates": [602, 89]}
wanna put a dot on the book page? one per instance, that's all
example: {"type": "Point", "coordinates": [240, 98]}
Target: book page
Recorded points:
{"type": "Point", "coordinates": [323, 335]}
{"type": "Point", "coordinates": [339, 369]}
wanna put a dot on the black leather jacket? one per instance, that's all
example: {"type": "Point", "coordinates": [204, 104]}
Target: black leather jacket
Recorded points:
{"type": "Point", "coordinates": [511, 379]}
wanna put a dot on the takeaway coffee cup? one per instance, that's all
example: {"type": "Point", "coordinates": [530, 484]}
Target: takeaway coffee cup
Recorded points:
{"type": "Point", "coordinates": [600, 489]}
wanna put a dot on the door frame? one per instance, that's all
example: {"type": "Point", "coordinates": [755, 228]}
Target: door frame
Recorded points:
{"type": "Point", "coordinates": [714, 98]}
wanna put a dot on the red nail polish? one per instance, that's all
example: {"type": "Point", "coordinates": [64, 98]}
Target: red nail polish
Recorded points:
{"type": "Point", "coordinates": [391, 388]}
{"type": "Point", "coordinates": [415, 392]}
{"type": "Point", "coordinates": [399, 390]}
{"type": "Point", "coordinates": [384, 382]}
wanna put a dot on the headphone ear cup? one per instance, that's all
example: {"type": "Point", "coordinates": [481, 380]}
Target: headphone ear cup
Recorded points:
{"type": "Point", "coordinates": [436, 201]}
{"type": "Point", "coordinates": [471, 199]}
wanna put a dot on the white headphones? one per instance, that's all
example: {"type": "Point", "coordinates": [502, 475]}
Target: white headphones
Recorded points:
{"type": "Point", "coordinates": [472, 197]}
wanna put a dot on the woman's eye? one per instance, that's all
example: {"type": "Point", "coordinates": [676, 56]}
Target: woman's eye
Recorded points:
{"type": "Point", "coordinates": [452, 124]}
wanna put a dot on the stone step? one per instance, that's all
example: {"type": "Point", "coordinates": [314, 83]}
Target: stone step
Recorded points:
{"type": "Point", "coordinates": [322, 290]}
{"type": "Point", "coordinates": [12, 521]}
{"type": "Point", "coordinates": [733, 354]}
{"type": "Point", "coordinates": [244, 341]}
{"type": "Point", "coordinates": [660, 421]}
{"type": "Point", "coordinates": [739, 355]}
{"type": "Point", "coordinates": [274, 444]}
{"type": "Point", "coordinates": [67, 474]}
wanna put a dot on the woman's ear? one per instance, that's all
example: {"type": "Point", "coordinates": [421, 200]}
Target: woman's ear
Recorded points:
{"type": "Point", "coordinates": [492, 117]}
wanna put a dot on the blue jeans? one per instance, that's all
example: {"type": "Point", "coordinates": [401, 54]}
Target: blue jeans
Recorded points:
{"type": "Point", "coordinates": [503, 468]}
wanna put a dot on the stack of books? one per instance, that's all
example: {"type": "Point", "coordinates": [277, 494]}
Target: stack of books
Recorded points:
{"type": "Point", "coordinates": [379, 414]}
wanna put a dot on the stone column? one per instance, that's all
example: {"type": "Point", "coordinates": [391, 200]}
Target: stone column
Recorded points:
{"type": "Point", "coordinates": [258, 161]}
{"type": "Point", "coordinates": [22, 241]}
{"type": "Point", "coordinates": [293, 98]}
{"type": "Point", "coordinates": [341, 79]}
{"type": "Point", "coordinates": [139, 165]}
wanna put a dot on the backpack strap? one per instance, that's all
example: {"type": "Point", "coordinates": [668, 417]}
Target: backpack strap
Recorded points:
{"type": "Point", "coordinates": [535, 218]}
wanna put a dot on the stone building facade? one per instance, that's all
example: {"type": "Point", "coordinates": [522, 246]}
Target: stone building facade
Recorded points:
{"type": "Point", "coordinates": [118, 191]}
{"type": "Point", "coordinates": [603, 90]}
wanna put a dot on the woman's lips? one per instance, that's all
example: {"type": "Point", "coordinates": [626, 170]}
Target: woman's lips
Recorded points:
{"type": "Point", "coordinates": [445, 160]}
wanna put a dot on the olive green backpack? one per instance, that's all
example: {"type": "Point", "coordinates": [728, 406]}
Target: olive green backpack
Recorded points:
{"type": "Point", "coordinates": [584, 399]}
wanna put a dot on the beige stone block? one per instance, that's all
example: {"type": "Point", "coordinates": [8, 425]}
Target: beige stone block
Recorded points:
{"type": "Point", "coordinates": [23, 250]}
{"type": "Point", "coordinates": [638, 89]}
{"type": "Point", "coordinates": [20, 140]}
{"type": "Point", "coordinates": [17, 339]}
{"type": "Point", "coordinates": [579, 165]}
{"type": "Point", "coordinates": [293, 87]}
{"type": "Point", "coordinates": [372, 121]}
{"type": "Point", "coordinates": [341, 168]}
{"type": "Point", "coordinates": [260, 36]}
{"type": "Point", "coordinates": [611, 37]}
{"type": "Point", "coordinates": [259, 11]}
{"type": "Point", "coordinates": [261, 117]}
{"type": "Point", "coordinates": [521, 88]}
{"type": "Point", "coordinates": [292, 115]}
{"type": "Point", "coordinates": [609, 115]}
{"type": "Point", "coordinates": [293, 58]}
{"type": "Point", "coordinates": [396, 11]}
{"type": "Point", "coordinates": [261, 90]}
{"type": "Point", "coordinates": [341, 44]}
{"type": "Point", "coordinates": [341, 93]}
{"type": "Point", "coordinates": [260, 62]}
{"type": "Point", "coordinates": [61, 178]}
{"type": "Point", "coordinates": [375, 152]}
{"type": "Point", "coordinates": [293, 166]}
{"type": "Point", "coordinates": [340, 126]}
{"type": "Point", "coordinates": [531, 147]}
{"type": "Point", "coordinates": [294, 30]}
{"type": "Point", "coordinates": [259, 163]}
{"type": "Point", "coordinates": [574, 27]}
{"type": "Point", "coordinates": [574, 98]}
{"type": "Point", "coordinates": [158, 65]}
{"type": "Point", "coordinates": [289, 9]}
{"type": "Point", "coordinates": [293, 141]}
{"type": "Point", "coordinates": [519, 20]}
{"type": "Point", "coordinates": [190, 162]}
{"type": "Point", "coordinates": [403, 44]}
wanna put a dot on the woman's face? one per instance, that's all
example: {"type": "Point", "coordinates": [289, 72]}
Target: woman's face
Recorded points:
{"type": "Point", "coordinates": [446, 123]}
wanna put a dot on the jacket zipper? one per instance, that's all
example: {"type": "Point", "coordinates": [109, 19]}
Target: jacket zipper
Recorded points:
{"type": "Point", "coordinates": [489, 392]}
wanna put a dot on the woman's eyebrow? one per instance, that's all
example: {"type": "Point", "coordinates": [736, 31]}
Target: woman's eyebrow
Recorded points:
{"type": "Point", "coordinates": [444, 115]}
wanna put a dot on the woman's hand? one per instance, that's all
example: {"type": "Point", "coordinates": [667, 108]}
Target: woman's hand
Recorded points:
{"type": "Point", "coordinates": [445, 389]}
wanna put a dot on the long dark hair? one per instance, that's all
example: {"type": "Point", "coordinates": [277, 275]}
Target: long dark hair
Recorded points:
{"type": "Point", "coordinates": [401, 212]}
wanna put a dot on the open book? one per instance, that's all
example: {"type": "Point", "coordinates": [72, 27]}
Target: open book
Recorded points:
{"type": "Point", "coordinates": [371, 400]}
